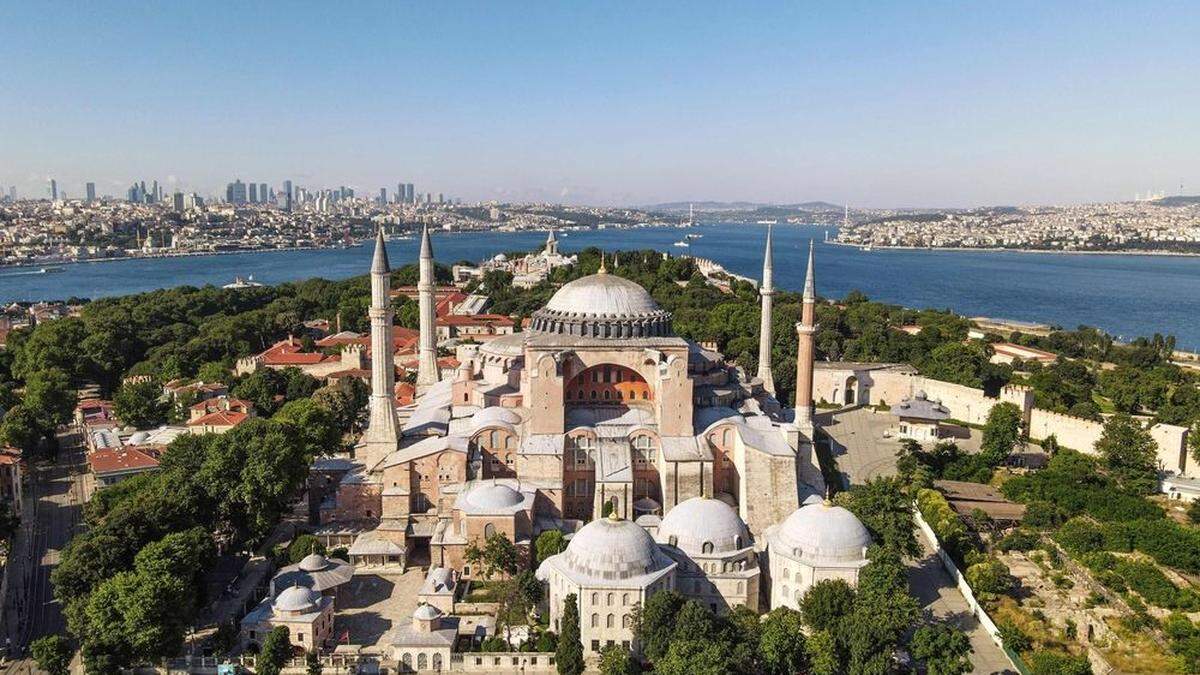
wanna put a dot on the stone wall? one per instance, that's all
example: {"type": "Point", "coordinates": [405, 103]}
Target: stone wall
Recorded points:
{"type": "Point", "coordinates": [1080, 434]}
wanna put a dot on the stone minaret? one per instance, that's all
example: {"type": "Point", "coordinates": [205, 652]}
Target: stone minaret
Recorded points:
{"type": "Point", "coordinates": [767, 291]}
{"type": "Point", "coordinates": [551, 243]}
{"type": "Point", "coordinates": [804, 348]}
{"type": "Point", "coordinates": [383, 432]}
{"type": "Point", "coordinates": [427, 368]}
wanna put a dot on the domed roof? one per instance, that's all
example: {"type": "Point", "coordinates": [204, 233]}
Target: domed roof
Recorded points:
{"type": "Point", "coordinates": [427, 613]}
{"type": "Point", "coordinates": [495, 415]}
{"type": "Point", "coordinates": [609, 548]}
{"type": "Point", "coordinates": [603, 295]}
{"type": "Point", "coordinates": [823, 533]}
{"type": "Point", "coordinates": [297, 599]}
{"type": "Point", "coordinates": [510, 345]}
{"type": "Point", "coordinates": [314, 562]}
{"type": "Point", "coordinates": [699, 521]}
{"type": "Point", "coordinates": [139, 437]}
{"type": "Point", "coordinates": [491, 496]}
{"type": "Point", "coordinates": [602, 305]}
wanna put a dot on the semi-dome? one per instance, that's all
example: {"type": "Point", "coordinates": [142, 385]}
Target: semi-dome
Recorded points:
{"type": "Point", "coordinates": [823, 533]}
{"type": "Point", "coordinates": [699, 525]}
{"type": "Point", "coordinates": [602, 305]}
{"type": "Point", "coordinates": [493, 496]}
{"type": "Point", "coordinates": [495, 416]}
{"type": "Point", "coordinates": [507, 346]}
{"type": "Point", "coordinates": [297, 599]}
{"type": "Point", "coordinates": [611, 549]}
{"type": "Point", "coordinates": [314, 562]}
{"type": "Point", "coordinates": [427, 613]}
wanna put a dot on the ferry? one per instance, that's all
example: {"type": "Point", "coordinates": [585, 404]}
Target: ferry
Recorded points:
{"type": "Point", "coordinates": [768, 222]}
{"type": "Point", "coordinates": [682, 243]}
{"type": "Point", "coordinates": [240, 282]}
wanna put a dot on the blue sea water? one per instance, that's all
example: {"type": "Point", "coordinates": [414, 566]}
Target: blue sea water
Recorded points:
{"type": "Point", "coordinates": [1126, 295]}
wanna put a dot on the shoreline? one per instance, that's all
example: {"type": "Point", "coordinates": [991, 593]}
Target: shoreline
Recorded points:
{"type": "Point", "coordinates": [1046, 251]}
{"type": "Point", "coordinates": [158, 256]}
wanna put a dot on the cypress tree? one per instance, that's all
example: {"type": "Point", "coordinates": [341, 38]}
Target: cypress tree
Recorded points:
{"type": "Point", "coordinates": [569, 657]}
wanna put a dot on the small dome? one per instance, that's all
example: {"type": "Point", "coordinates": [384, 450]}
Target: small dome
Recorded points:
{"type": "Point", "coordinates": [314, 562]}
{"type": "Point", "coordinates": [139, 437]}
{"type": "Point", "coordinates": [427, 613]}
{"type": "Point", "coordinates": [495, 415]}
{"type": "Point", "coordinates": [609, 548]}
{"type": "Point", "coordinates": [823, 533]}
{"type": "Point", "coordinates": [698, 524]}
{"type": "Point", "coordinates": [297, 599]}
{"type": "Point", "coordinates": [499, 257]}
{"type": "Point", "coordinates": [494, 496]}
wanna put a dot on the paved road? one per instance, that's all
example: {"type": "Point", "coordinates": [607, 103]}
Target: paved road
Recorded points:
{"type": "Point", "coordinates": [55, 498]}
{"type": "Point", "coordinates": [942, 601]}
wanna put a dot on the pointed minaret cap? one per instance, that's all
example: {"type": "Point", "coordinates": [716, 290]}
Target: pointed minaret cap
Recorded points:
{"type": "Point", "coordinates": [768, 282]}
{"type": "Point", "coordinates": [380, 262]}
{"type": "Point", "coordinates": [426, 246]}
{"type": "Point", "coordinates": [550, 237]}
{"type": "Point", "coordinates": [603, 268]}
{"type": "Point", "coordinates": [810, 287]}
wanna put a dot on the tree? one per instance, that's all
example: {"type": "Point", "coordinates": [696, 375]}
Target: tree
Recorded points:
{"type": "Point", "coordinates": [550, 542]}
{"type": "Point", "coordinates": [213, 371]}
{"type": "Point", "coordinates": [886, 510]}
{"type": "Point", "coordinates": [957, 362]}
{"type": "Point", "coordinates": [1058, 663]}
{"type": "Point", "coordinates": [616, 660]}
{"type": "Point", "coordinates": [275, 652]}
{"type": "Point", "coordinates": [53, 654]}
{"type": "Point", "coordinates": [944, 649]}
{"type": "Point", "coordinates": [139, 403]}
{"type": "Point", "coordinates": [655, 625]}
{"type": "Point", "coordinates": [695, 657]}
{"type": "Point", "coordinates": [498, 555]}
{"type": "Point", "coordinates": [312, 662]}
{"type": "Point", "coordinates": [821, 650]}
{"type": "Point", "coordinates": [826, 603]}
{"type": "Point", "coordinates": [1193, 512]}
{"type": "Point", "coordinates": [989, 577]}
{"type": "Point", "coordinates": [133, 617]}
{"type": "Point", "coordinates": [569, 655]}
{"type": "Point", "coordinates": [49, 396]}
{"type": "Point", "coordinates": [302, 546]}
{"type": "Point", "coordinates": [781, 644]}
{"type": "Point", "coordinates": [21, 428]}
{"type": "Point", "coordinates": [1001, 433]}
{"type": "Point", "coordinates": [1130, 453]}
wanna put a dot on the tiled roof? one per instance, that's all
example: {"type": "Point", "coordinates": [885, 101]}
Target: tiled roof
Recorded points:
{"type": "Point", "coordinates": [220, 418]}
{"type": "Point", "coordinates": [113, 460]}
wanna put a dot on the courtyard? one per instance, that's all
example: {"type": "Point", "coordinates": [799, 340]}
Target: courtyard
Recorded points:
{"type": "Point", "coordinates": [371, 605]}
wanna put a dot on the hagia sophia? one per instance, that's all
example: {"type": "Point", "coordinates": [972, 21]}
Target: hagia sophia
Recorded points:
{"type": "Point", "coordinates": [664, 466]}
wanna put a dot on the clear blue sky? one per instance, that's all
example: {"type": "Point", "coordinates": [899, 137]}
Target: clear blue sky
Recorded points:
{"type": "Point", "coordinates": [897, 104]}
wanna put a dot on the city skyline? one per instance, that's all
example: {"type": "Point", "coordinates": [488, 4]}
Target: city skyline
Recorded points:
{"type": "Point", "coordinates": [866, 105]}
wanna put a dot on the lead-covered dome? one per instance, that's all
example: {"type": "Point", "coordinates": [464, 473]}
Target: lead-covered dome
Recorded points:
{"type": "Point", "coordinates": [490, 497]}
{"type": "Point", "coordinates": [703, 526]}
{"type": "Point", "coordinates": [314, 562]}
{"type": "Point", "coordinates": [297, 599]}
{"type": "Point", "coordinates": [612, 549]}
{"type": "Point", "coordinates": [822, 533]}
{"type": "Point", "coordinates": [602, 305]}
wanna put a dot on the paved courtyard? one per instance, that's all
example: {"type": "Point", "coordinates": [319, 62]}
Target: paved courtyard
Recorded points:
{"type": "Point", "coordinates": [373, 604]}
{"type": "Point", "coordinates": [863, 442]}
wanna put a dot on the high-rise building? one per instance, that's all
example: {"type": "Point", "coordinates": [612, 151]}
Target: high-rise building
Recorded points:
{"type": "Point", "coordinates": [254, 193]}
{"type": "Point", "coordinates": [178, 202]}
{"type": "Point", "coordinates": [263, 197]}
{"type": "Point", "coordinates": [53, 190]}
{"type": "Point", "coordinates": [383, 196]}
{"type": "Point", "coordinates": [91, 192]}
{"type": "Point", "coordinates": [410, 196]}
{"type": "Point", "coordinates": [235, 192]}
{"type": "Point", "coordinates": [157, 193]}
{"type": "Point", "coordinates": [12, 193]}
{"type": "Point", "coordinates": [441, 199]}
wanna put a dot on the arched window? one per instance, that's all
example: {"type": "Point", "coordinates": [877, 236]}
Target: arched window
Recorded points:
{"type": "Point", "coordinates": [707, 547]}
{"type": "Point", "coordinates": [407, 661]}
{"type": "Point", "coordinates": [422, 661]}
{"type": "Point", "coordinates": [624, 598]}
{"type": "Point", "coordinates": [437, 661]}
{"type": "Point", "coordinates": [488, 531]}
{"type": "Point", "coordinates": [595, 598]}
{"type": "Point", "coordinates": [609, 600]}
{"type": "Point", "coordinates": [610, 622]}
{"type": "Point", "coordinates": [595, 620]}
{"type": "Point", "coordinates": [625, 621]}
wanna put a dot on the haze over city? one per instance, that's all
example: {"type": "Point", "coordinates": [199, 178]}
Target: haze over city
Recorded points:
{"type": "Point", "coordinates": [881, 106]}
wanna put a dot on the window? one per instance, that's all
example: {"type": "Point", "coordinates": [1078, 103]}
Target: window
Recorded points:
{"type": "Point", "coordinates": [488, 531]}
{"type": "Point", "coordinates": [595, 645]}
{"type": "Point", "coordinates": [595, 620]}
{"type": "Point", "coordinates": [706, 547]}
{"type": "Point", "coordinates": [609, 600]}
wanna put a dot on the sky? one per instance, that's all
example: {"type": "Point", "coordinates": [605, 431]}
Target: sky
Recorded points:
{"type": "Point", "coordinates": [867, 103]}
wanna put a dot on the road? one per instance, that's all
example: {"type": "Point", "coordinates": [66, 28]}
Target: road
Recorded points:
{"type": "Point", "coordinates": [54, 495]}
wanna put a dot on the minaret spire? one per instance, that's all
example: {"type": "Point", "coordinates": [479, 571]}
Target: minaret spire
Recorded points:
{"type": "Point", "coordinates": [427, 368]}
{"type": "Point", "coordinates": [805, 330]}
{"type": "Point", "coordinates": [383, 431]}
{"type": "Point", "coordinates": [767, 291]}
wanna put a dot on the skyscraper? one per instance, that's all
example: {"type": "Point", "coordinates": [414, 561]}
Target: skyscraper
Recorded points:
{"type": "Point", "coordinates": [263, 196]}
{"type": "Point", "coordinates": [91, 192]}
{"type": "Point", "coordinates": [12, 193]}
{"type": "Point", "coordinates": [383, 196]}
{"type": "Point", "coordinates": [287, 195]}
{"type": "Point", "coordinates": [235, 192]}
{"type": "Point", "coordinates": [178, 202]}
{"type": "Point", "coordinates": [399, 196]}
{"type": "Point", "coordinates": [410, 196]}
{"type": "Point", "coordinates": [53, 190]}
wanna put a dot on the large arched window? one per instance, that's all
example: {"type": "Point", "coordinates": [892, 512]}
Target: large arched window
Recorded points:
{"type": "Point", "coordinates": [488, 531]}
{"type": "Point", "coordinates": [607, 382]}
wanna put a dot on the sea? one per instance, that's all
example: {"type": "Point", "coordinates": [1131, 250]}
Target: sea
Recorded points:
{"type": "Point", "coordinates": [1125, 295]}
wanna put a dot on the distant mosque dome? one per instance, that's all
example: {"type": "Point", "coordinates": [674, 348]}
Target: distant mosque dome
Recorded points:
{"type": "Point", "coordinates": [602, 305]}
{"type": "Point", "coordinates": [314, 562]}
{"type": "Point", "coordinates": [700, 525]}
{"type": "Point", "coordinates": [488, 497]}
{"type": "Point", "coordinates": [297, 599]}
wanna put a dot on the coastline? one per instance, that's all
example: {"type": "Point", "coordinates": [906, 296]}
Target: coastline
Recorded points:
{"type": "Point", "coordinates": [157, 256]}
{"type": "Point", "coordinates": [1048, 251]}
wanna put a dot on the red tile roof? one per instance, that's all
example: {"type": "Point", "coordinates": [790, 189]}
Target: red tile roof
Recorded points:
{"type": "Point", "coordinates": [112, 460]}
{"type": "Point", "coordinates": [476, 320]}
{"type": "Point", "coordinates": [220, 418]}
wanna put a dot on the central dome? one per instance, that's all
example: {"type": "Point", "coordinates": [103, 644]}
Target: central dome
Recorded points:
{"type": "Point", "coordinates": [607, 548]}
{"type": "Point", "coordinates": [603, 305]}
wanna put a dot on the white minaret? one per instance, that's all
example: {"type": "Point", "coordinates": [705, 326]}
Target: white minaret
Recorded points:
{"type": "Point", "coordinates": [383, 432]}
{"type": "Point", "coordinates": [767, 291]}
{"type": "Point", "coordinates": [427, 368]}
{"type": "Point", "coordinates": [551, 243]}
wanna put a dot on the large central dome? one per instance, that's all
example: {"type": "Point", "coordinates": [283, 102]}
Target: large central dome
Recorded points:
{"type": "Point", "coordinates": [603, 305]}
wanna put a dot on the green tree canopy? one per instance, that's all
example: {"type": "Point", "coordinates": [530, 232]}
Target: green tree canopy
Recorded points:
{"type": "Point", "coordinates": [824, 605]}
{"type": "Point", "coordinates": [140, 403]}
{"type": "Point", "coordinates": [1130, 453]}
{"type": "Point", "coordinates": [569, 655]}
{"type": "Point", "coordinates": [944, 649]}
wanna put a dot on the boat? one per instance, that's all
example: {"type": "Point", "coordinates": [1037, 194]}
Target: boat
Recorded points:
{"type": "Point", "coordinates": [240, 282]}
{"type": "Point", "coordinates": [682, 243]}
{"type": "Point", "coordinates": [768, 222]}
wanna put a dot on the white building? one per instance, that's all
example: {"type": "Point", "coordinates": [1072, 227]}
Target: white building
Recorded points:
{"type": "Point", "coordinates": [818, 541]}
{"type": "Point", "coordinates": [717, 565]}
